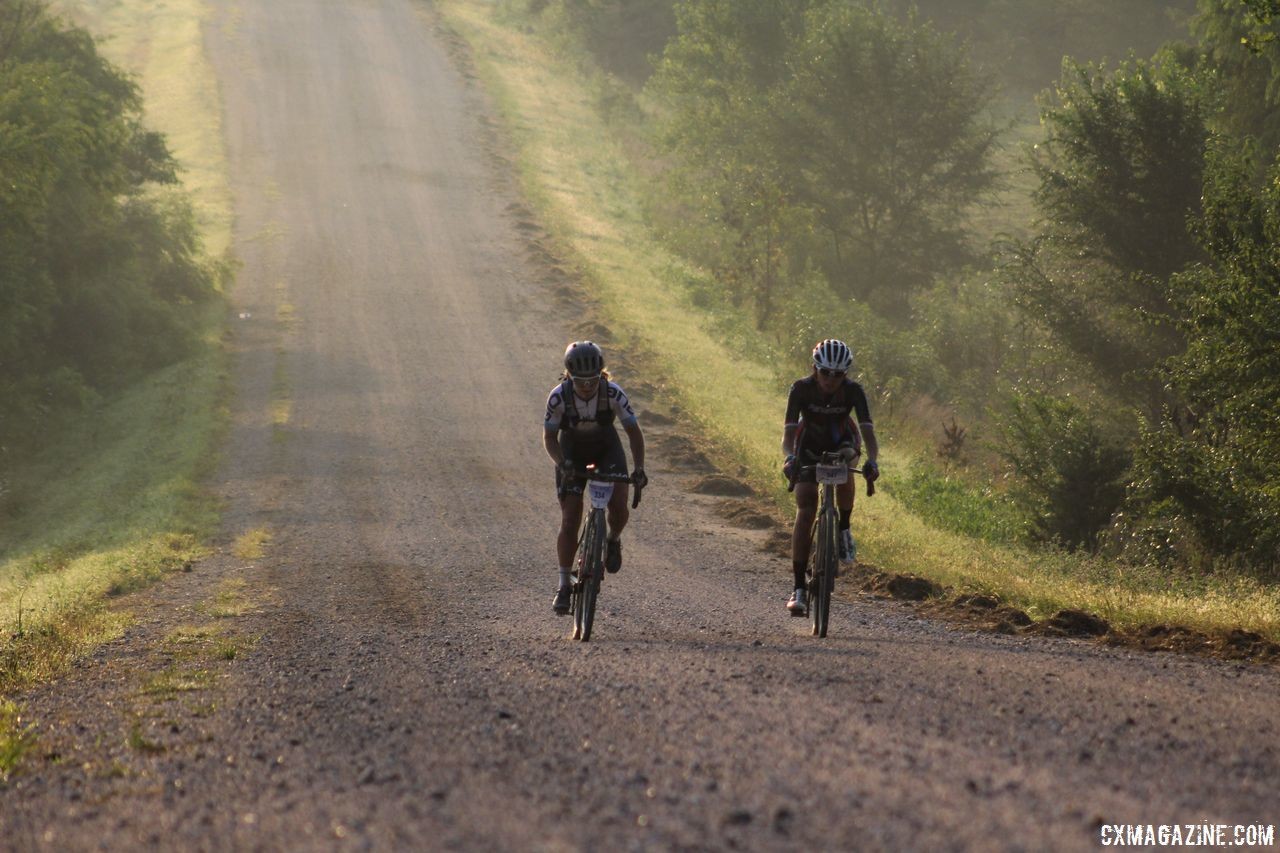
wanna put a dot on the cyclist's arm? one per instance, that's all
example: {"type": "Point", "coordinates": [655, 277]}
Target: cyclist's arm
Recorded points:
{"type": "Point", "coordinates": [869, 437]}
{"type": "Point", "coordinates": [627, 416]}
{"type": "Point", "coordinates": [791, 421]}
{"type": "Point", "coordinates": [551, 425]}
{"type": "Point", "coordinates": [636, 438]}
{"type": "Point", "coordinates": [789, 438]}
{"type": "Point", "coordinates": [863, 412]}
{"type": "Point", "coordinates": [551, 442]}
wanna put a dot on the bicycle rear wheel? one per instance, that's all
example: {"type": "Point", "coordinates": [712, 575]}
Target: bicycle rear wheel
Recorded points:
{"type": "Point", "coordinates": [590, 568]}
{"type": "Point", "coordinates": [824, 574]}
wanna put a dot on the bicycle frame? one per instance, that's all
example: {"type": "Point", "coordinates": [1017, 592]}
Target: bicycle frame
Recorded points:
{"type": "Point", "coordinates": [831, 470]}
{"type": "Point", "coordinates": [828, 473]}
{"type": "Point", "coordinates": [586, 588]}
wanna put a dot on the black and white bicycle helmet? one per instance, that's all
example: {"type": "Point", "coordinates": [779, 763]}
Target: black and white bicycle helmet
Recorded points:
{"type": "Point", "coordinates": [583, 360]}
{"type": "Point", "coordinates": [832, 355]}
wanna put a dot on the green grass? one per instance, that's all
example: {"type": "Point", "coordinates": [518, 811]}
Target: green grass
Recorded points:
{"type": "Point", "coordinates": [110, 504]}
{"type": "Point", "coordinates": [17, 737]}
{"type": "Point", "coordinates": [950, 502]}
{"type": "Point", "coordinates": [137, 740]}
{"type": "Point", "coordinates": [230, 600]}
{"type": "Point", "coordinates": [252, 544]}
{"type": "Point", "coordinates": [209, 642]}
{"type": "Point", "coordinates": [586, 192]}
{"type": "Point", "coordinates": [113, 499]}
{"type": "Point", "coordinates": [176, 680]}
{"type": "Point", "coordinates": [193, 653]}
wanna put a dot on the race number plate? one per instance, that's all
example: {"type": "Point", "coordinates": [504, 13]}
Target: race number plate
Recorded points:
{"type": "Point", "coordinates": [600, 493]}
{"type": "Point", "coordinates": [833, 475]}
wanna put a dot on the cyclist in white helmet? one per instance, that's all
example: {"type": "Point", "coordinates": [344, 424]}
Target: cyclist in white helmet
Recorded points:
{"type": "Point", "coordinates": [577, 431]}
{"type": "Point", "coordinates": [819, 420]}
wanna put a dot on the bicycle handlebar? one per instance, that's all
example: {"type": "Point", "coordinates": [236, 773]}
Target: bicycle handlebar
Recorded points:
{"type": "Point", "coordinates": [795, 473]}
{"type": "Point", "coordinates": [590, 473]}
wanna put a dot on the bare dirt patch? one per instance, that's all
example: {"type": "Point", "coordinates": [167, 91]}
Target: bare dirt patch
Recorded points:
{"type": "Point", "coordinates": [722, 486]}
{"type": "Point", "coordinates": [746, 516]}
{"type": "Point", "coordinates": [681, 453]}
{"type": "Point", "coordinates": [1231, 645]}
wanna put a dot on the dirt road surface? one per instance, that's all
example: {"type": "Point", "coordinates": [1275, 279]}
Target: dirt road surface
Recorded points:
{"type": "Point", "coordinates": [390, 676]}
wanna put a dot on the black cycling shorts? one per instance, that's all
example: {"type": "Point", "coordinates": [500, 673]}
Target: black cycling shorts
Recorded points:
{"type": "Point", "coordinates": [604, 451]}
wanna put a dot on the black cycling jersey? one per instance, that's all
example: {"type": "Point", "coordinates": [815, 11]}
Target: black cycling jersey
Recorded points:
{"type": "Point", "coordinates": [825, 418]}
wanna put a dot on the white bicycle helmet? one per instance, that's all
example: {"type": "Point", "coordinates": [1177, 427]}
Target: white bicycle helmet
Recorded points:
{"type": "Point", "coordinates": [832, 355]}
{"type": "Point", "coordinates": [583, 360]}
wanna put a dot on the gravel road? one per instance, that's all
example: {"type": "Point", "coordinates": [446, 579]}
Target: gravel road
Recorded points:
{"type": "Point", "coordinates": [389, 674]}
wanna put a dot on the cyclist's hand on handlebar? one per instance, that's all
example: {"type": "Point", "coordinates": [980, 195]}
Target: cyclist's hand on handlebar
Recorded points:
{"type": "Point", "coordinates": [568, 470]}
{"type": "Point", "coordinates": [871, 471]}
{"type": "Point", "coordinates": [789, 467]}
{"type": "Point", "coordinates": [639, 478]}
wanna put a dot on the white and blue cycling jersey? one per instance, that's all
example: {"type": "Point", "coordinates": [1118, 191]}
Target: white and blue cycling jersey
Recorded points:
{"type": "Point", "coordinates": [567, 412]}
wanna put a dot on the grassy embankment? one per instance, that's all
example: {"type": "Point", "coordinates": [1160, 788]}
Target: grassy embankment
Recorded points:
{"type": "Point", "coordinates": [586, 192]}
{"type": "Point", "coordinates": [113, 500]}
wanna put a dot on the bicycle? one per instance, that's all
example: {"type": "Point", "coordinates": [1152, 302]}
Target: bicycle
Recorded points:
{"type": "Point", "coordinates": [590, 567]}
{"type": "Point", "coordinates": [831, 470]}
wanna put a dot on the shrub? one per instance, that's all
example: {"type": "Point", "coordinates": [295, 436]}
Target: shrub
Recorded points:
{"type": "Point", "coordinates": [1070, 479]}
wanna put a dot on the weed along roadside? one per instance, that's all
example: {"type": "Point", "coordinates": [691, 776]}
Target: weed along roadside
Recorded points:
{"type": "Point", "coordinates": [111, 496]}
{"type": "Point", "coordinates": [576, 173]}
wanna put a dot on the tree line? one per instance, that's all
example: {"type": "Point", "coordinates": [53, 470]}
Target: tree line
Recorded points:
{"type": "Point", "coordinates": [826, 159]}
{"type": "Point", "coordinates": [101, 273]}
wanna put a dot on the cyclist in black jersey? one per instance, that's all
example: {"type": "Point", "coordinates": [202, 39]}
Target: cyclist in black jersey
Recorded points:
{"type": "Point", "coordinates": [578, 431]}
{"type": "Point", "coordinates": [818, 421]}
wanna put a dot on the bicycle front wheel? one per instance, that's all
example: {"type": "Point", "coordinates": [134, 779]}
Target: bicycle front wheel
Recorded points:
{"type": "Point", "coordinates": [590, 568]}
{"type": "Point", "coordinates": [824, 574]}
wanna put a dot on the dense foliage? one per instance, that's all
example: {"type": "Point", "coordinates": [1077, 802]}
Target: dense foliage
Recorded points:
{"type": "Point", "coordinates": [829, 138]}
{"type": "Point", "coordinates": [1070, 476]}
{"type": "Point", "coordinates": [1238, 38]}
{"type": "Point", "coordinates": [100, 274]}
{"type": "Point", "coordinates": [1212, 464]}
{"type": "Point", "coordinates": [1119, 354]}
{"type": "Point", "coordinates": [1023, 41]}
{"type": "Point", "coordinates": [1155, 266]}
{"type": "Point", "coordinates": [1119, 174]}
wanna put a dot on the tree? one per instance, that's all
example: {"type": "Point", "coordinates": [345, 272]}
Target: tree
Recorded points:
{"type": "Point", "coordinates": [99, 275]}
{"type": "Point", "coordinates": [721, 76]}
{"type": "Point", "coordinates": [1238, 38]}
{"type": "Point", "coordinates": [1216, 458]}
{"type": "Point", "coordinates": [1120, 177]}
{"type": "Point", "coordinates": [888, 145]}
{"type": "Point", "coordinates": [1071, 477]}
{"type": "Point", "coordinates": [787, 115]}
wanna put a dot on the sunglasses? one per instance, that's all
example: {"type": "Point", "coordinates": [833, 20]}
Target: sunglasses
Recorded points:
{"type": "Point", "coordinates": [586, 380]}
{"type": "Point", "coordinates": [834, 374]}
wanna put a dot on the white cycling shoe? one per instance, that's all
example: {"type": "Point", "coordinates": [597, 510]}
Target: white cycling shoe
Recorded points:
{"type": "Point", "coordinates": [797, 605]}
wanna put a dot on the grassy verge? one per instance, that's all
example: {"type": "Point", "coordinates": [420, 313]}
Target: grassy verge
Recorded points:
{"type": "Point", "coordinates": [587, 193]}
{"type": "Point", "coordinates": [16, 737]}
{"type": "Point", "coordinates": [161, 44]}
{"type": "Point", "coordinates": [113, 500]}
{"type": "Point", "coordinates": [111, 503]}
